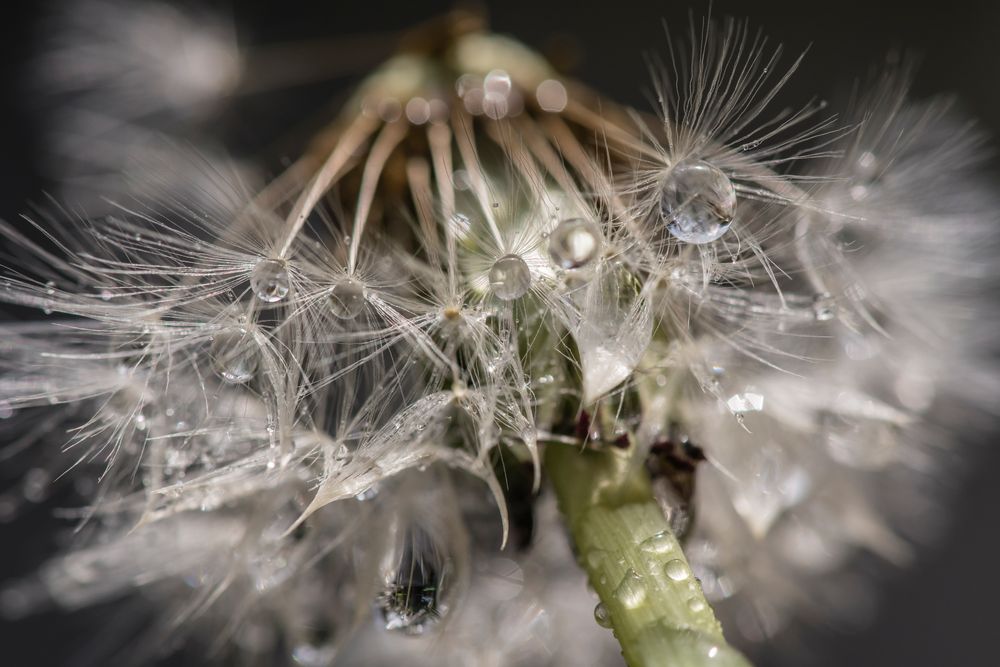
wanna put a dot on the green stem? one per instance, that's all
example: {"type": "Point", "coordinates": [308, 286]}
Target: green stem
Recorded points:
{"type": "Point", "coordinates": [649, 596]}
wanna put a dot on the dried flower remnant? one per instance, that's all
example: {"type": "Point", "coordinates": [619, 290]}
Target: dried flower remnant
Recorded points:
{"type": "Point", "coordinates": [319, 407]}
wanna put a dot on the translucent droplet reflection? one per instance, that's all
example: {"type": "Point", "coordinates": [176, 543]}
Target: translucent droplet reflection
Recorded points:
{"type": "Point", "coordinates": [347, 299]}
{"type": "Point", "coordinates": [269, 280]}
{"type": "Point", "coordinates": [234, 356]}
{"type": "Point", "coordinates": [697, 202]}
{"type": "Point", "coordinates": [510, 278]}
{"type": "Point", "coordinates": [574, 243]}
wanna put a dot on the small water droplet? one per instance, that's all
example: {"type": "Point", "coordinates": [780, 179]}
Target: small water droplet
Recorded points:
{"type": "Point", "coordinates": [824, 307]}
{"type": "Point", "coordinates": [660, 543]}
{"type": "Point", "coordinates": [574, 243]}
{"type": "Point", "coordinates": [602, 616]}
{"type": "Point", "coordinates": [367, 494]}
{"type": "Point", "coordinates": [510, 278]}
{"type": "Point", "coordinates": [676, 570]}
{"type": "Point", "coordinates": [233, 356]}
{"type": "Point", "coordinates": [631, 591]}
{"type": "Point", "coordinates": [269, 280]}
{"type": "Point", "coordinates": [696, 605]}
{"type": "Point", "coordinates": [697, 202]}
{"type": "Point", "coordinates": [347, 299]}
{"type": "Point", "coordinates": [749, 401]}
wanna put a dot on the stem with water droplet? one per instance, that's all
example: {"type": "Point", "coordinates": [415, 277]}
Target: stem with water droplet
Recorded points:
{"type": "Point", "coordinates": [649, 596]}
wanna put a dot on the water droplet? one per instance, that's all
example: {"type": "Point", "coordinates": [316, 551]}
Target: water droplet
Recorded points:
{"type": "Point", "coordinates": [660, 543]}
{"type": "Point", "coordinates": [416, 572]}
{"type": "Point", "coordinates": [347, 299]}
{"type": "Point", "coordinates": [602, 616]}
{"type": "Point", "coordinates": [497, 89]}
{"type": "Point", "coordinates": [824, 307]}
{"type": "Point", "coordinates": [697, 202]}
{"type": "Point", "coordinates": [367, 494]}
{"type": "Point", "coordinates": [269, 280]}
{"type": "Point", "coordinates": [233, 356]}
{"type": "Point", "coordinates": [631, 591]}
{"type": "Point", "coordinates": [749, 401]}
{"type": "Point", "coordinates": [696, 605]}
{"type": "Point", "coordinates": [698, 643]}
{"type": "Point", "coordinates": [676, 569]}
{"type": "Point", "coordinates": [510, 278]}
{"type": "Point", "coordinates": [574, 243]}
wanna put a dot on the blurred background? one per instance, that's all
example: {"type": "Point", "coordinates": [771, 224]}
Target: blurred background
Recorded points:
{"type": "Point", "coordinates": [942, 611]}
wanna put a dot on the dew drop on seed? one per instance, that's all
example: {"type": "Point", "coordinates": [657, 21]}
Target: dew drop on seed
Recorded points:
{"type": "Point", "coordinates": [660, 543]}
{"type": "Point", "coordinates": [574, 243]}
{"type": "Point", "coordinates": [602, 616]}
{"type": "Point", "coordinates": [697, 202]}
{"type": "Point", "coordinates": [676, 570]}
{"type": "Point", "coordinates": [269, 280]}
{"type": "Point", "coordinates": [510, 278]}
{"type": "Point", "coordinates": [233, 356]}
{"type": "Point", "coordinates": [631, 591]}
{"type": "Point", "coordinates": [347, 299]}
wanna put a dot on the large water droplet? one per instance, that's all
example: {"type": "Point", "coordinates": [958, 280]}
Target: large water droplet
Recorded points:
{"type": "Point", "coordinates": [510, 278]}
{"type": "Point", "coordinates": [234, 357]}
{"type": "Point", "coordinates": [415, 572]}
{"type": "Point", "coordinates": [347, 299]}
{"type": "Point", "coordinates": [574, 243]}
{"type": "Point", "coordinates": [660, 543]}
{"type": "Point", "coordinates": [676, 569]}
{"type": "Point", "coordinates": [602, 616]}
{"type": "Point", "coordinates": [697, 202]}
{"type": "Point", "coordinates": [269, 280]}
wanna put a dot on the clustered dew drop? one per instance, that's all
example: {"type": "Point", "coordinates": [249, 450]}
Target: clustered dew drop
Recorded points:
{"type": "Point", "coordinates": [575, 243]}
{"type": "Point", "coordinates": [697, 202]}
{"type": "Point", "coordinates": [269, 280]}
{"type": "Point", "coordinates": [510, 278]}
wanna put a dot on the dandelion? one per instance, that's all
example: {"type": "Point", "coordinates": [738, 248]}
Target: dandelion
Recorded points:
{"type": "Point", "coordinates": [341, 415]}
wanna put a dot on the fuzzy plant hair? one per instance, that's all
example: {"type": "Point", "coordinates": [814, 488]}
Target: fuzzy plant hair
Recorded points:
{"type": "Point", "coordinates": [489, 340]}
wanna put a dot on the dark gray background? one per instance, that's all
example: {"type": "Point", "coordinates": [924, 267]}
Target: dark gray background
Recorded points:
{"type": "Point", "coordinates": [941, 612]}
